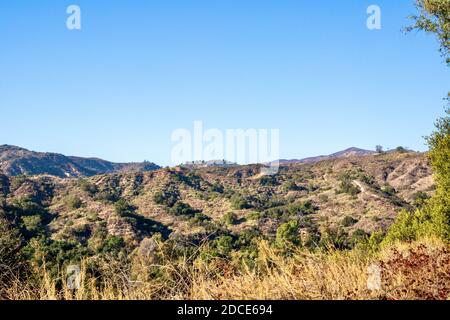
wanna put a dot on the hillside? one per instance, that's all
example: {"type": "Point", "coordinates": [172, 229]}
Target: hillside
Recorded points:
{"type": "Point", "coordinates": [220, 232]}
{"type": "Point", "coordinates": [347, 153]}
{"type": "Point", "coordinates": [356, 194]}
{"type": "Point", "coordinates": [16, 161]}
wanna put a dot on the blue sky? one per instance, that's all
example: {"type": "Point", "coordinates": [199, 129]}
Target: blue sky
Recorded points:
{"type": "Point", "coordinates": [138, 70]}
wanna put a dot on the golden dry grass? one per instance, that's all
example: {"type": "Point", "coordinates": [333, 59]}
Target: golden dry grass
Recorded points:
{"type": "Point", "coordinates": [409, 271]}
{"type": "Point", "coordinates": [305, 275]}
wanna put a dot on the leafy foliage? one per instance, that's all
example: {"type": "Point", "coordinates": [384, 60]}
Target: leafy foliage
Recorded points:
{"type": "Point", "coordinates": [269, 180]}
{"type": "Point", "coordinates": [240, 203]}
{"type": "Point", "coordinates": [347, 186]}
{"type": "Point", "coordinates": [230, 218]}
{"type": "Point", "coordinates": [420, 198]}
{"type": "Point", "coordinates": [12, 261]}
{"type": "Point", "coordinates": [290, 185]}
{"type": "Point", "coordinates": [287, 234]}
{"type": "Point", "coordinates": [168, 197]}
{"type": "Point", "coordinates": [302, 208]}
{"type": "Point", "coordinates": [433, 17]}
{"type": "Point", "coordinates": [74, 203]}
{"type": "Point", "coordinates": [348, 221]}
{"type": "Point", "coordinates": [123, 208]}
{"type": "Point", "coordinates": [88, 187]}
{"type": "Point", "coordinates": [183, 209]}
{"type": "Point", "coordinates": [433, 219]}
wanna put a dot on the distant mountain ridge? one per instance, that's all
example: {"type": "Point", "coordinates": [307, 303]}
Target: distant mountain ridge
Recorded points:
{"type": "Point", "coordinates": [16, 161]}
{"type": "Point", "coordinates": [347, 153]}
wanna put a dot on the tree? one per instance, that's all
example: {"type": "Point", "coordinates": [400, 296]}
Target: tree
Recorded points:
{"type": "Point", "coordinates": [434, 18]}
{"type": "Point", "coordinates": [401, 149]}
{"type": "Point", "coordinates": [239, 203]}
{"type": "Point", "coordinates": [379, 149]}
{"type": "Point", "coordinates": [434, 218]}
{"type": "Point", "coordinates": [303, 208]}
{"type": "Point", "coordinates": [123, 208]}
{"type": "Point", "coordinates": [113, 244]}
{"type": "Point", "coordinates": [348, 221]}
{"type": "Point", "coordinates": [167, 197]}
{"type": "Point", "coordinates": [74, 203]}
{"type": "Point", "coordinates": [11, 261]}
{"type": "Point", "coordinates": [230, 218]}
{"type": "Point", "coordinates": [32, 224]}
{"type": "Point", "coordinates": [224, 245]}
{"type": "Point", "coordinates": [287, 234]}
{"type": "Point", "coordinates": [88, 187]}
{"type": "Point", "coordinates": [438, 209]}
{"type": "Point", "coordinates": [183, 209]}
{"type": "Point", "coordinates": [420, 198]}
{"type": "Point", "coordinates": [290, 185]}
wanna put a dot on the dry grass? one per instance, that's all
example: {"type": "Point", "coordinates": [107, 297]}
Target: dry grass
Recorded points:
{"type": "Point", "coordinates": [415, 271]}
{"type": "Point", "coordinates": [332, 275]}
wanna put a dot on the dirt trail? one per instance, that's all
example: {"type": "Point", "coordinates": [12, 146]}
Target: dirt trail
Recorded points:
{"type": "Point", "coordinates": [363, 189]}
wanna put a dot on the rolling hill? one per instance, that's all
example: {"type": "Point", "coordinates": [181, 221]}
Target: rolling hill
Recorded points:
{"type": "Point", "coordinates": [16, 161]}
{"type": "Point", "coordinates": [350, 152]}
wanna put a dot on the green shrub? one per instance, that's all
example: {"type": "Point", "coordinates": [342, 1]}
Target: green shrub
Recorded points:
{"type": "Point", "coordinates": [88, 187]}
{"type": "Point", "coordinates": [11, 261]}
{"type": "Point", "coordinates": [54, 254]}
{"type": "Point", "coordinates": [389, 190]}
{"type": "Point", "coordinates": [74, 203]}
{"type": "Point", "coordinates": [370, 243]}
{"type": "Point", "coordinates": [159, 198]}
{"type": "Point", "coordinates": [303, 208]}
{"type": "Point", "coordinates": [224, 245]}
{"type": "Point", "coordinates": [287, 234]}
{"type": "Point", "coordinates": [167, 197]}
{"type": "Point", "coordinates": [32, 224]}
{"type": "Point", "coordinates": [405, 228]}
{"type": "Point", "coordinates": [348, 221]}
{"type": "Point", "coordinates": [358, 236]}
{"type": "Point", "coordinates": [428, 221]}
{"type": "Point", "coordinates": [334, 239]}
{"type": "Point", "coordinates": [106, 196]}
{"type": "Point", "coordinates": [183, 209]}
{"type": "Point", "coordinates": [240, 203]}
{"type": "Point", "coordinates": [348, 187]}
{"type": "Point", "coordinates": [420, 198]}
{"type": "Point", "coordinates": [26, 206]}
{"type": "Point", "coordinates": [287, 212]}
{"type": "Point", "coordinates": [255, 215]}
{"type": "Point", "coordinates": [123, 208]}
{"type": "Point", "coordinates": [113, 244]}
{"type": "Point", "coordinates": [274, 213]}
{"type": "Point", "coordinates": [199, 219]}
{"type": "Point", "coordinates": [230, 218]}
{"type": "Point", "coordinates": [216, 187]}
{"type": "Point", "coordinates": [268, 180]}
{"type": "Point", "coordinates": [92, 216]}
{"type": "Point", "coordinates": [247, 238]}
{"type": "Point", "coordinates": [367, 179]}
{"type": "Point", "coordinates": [290, 185]}
{"type": "Point", "coordinates": [81, 231]}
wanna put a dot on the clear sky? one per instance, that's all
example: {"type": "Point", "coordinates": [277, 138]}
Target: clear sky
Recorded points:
{"type": "Point", "coordinates": [138, 70]}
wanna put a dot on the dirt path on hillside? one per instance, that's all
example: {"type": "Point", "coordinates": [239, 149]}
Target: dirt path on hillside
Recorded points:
{"type": "Point", "coordinates": [364, 191]}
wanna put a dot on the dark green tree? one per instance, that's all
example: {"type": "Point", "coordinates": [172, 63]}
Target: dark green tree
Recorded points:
{"type": "Point", "coordinates": [434, 218]}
